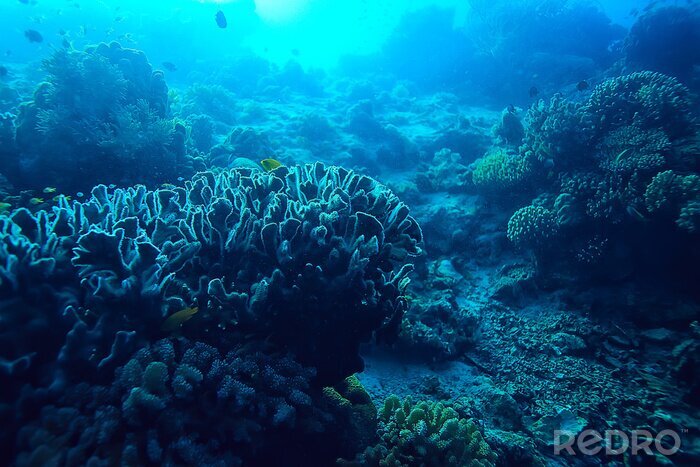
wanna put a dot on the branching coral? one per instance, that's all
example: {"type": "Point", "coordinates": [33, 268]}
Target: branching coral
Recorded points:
{"type": "Point", "coordinates": [556, 133]}
{"type": "Point", "coordinates": [650, 100]}
{"type": "Point", "coordinates": [675, 194]}
{"type": "Point", "coordinates": [500, 171]}
{"type": "Point", "coordinates": [427, 434]}
{"type": "Point", "coordinates": [181, 402]}
{"type": "Point", "coordinates": [532, 227]}
{"type": "Point", "coordinates": [213, 100]}
{"type": "Point", "coordinates": [100, 117]}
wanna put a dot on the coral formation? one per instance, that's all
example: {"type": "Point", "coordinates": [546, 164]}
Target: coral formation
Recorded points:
{"type": "Point", "coordinates": [165, 406]}
{"type": "Point", "coordinates": [244, 246]}
{"type": "Point", "coordinates": [101, 117]}
{"type": "Point", "coordinates": [532, 227]}
{"type": "Point", "coordinates": [500, 172]}
{"type": "Point", "coordinates": [659, 39]}
{"type": "Point", "coordinates": [426, 433]}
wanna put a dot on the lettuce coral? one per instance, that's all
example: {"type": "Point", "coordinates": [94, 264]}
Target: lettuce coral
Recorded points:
{"type": "Point", "coordinates": [312, 258]}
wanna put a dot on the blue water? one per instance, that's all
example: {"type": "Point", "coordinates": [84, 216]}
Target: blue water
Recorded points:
{"type": "Point", "coordinates": [315, 232]}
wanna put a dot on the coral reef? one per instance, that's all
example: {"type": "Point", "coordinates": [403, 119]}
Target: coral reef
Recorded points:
{"type": "Point", "coordinates": [651, 100]}
{"type": "Point", "coordinates": [533, 227]}
{"type": "Point", "coordinates": [243, 246]}
{"type": "Point", "coordinates": [499, 172]}
{"type": "Point", "coordinates": [101, 117]}
{"type": "Point", "coordinates": [425, 433]}
{"type": "Point", "coordinates": [165, 406]}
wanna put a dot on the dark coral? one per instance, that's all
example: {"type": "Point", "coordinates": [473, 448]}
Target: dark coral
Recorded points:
{"type": "Point", "coordinates": [101, 117]}
{"type": "Point", "coordinates": [178, 402]}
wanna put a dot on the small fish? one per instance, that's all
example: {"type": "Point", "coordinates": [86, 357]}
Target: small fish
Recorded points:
{"type": "Point", "coordinates": [57, 198]}
{"type": "Point", "coordinates": [80, 194]}
{"type": "Point", "coordinates": [168, 186]}
{"type": "Point", "coordinates": [49, 189]}
{"type": "Point", "coordinates": [112, 186]}
{"type": "Point", "coordinates": [511, 108]}
{"type": "Point", "coordinates": [180, 179]}
{"type": "Point", "coordinates": [633, 212]}
{"type": "Point", "coordinates": [33, 35]}
{"type": "Point", "coordinates": [295, 52]}
{"type": "Point", "coordinates": [582, 85]}
{"type": "Point", "coordinates": [5, 207]}
{"type": "Point", "coordinates": [622, 155]}
{"type": "Point", "coordinates": [270, 164]}
{"type": "Point", "coordinates": [170, 66]}
{"type": "Point", "coordinates": [118, 19]}
{"type": "Point", "coordinates": [174, 321]}
{"type": "Point", "coordinates": [221, 19]}
{"type": "Point", "coordinates": [36, 201]}
{"type": "Point", "coordinates": [534, 92]}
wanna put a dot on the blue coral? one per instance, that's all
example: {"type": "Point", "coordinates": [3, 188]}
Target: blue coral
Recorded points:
{"type": "Point", "coordinates": [180, 402]}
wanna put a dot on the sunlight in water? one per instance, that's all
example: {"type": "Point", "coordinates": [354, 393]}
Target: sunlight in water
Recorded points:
{"type": "Point", "coordinates": [280, 11]}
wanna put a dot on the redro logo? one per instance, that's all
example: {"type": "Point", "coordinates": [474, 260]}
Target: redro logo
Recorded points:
{"type": "Point", "coordinates": [616, 442]}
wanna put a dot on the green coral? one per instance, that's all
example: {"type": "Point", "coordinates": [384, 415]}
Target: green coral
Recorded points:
{"type": "Point", "coordinates": [532, 226]}
{"type": "Point", "coordinates": [500, 171]}
{"type": "Point", "coordinates": [426, 434]}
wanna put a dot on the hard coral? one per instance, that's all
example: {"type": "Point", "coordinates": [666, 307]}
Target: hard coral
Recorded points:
{"type": "Point", "coordinates": [101, 117]}
{"type": "Point", "coordinates": [165, 406]}
{"type": "Point", "coordinates": [659, 41]}
{"type": "Point", "coordinates": [426, 434]}
{"type": "Point", "coordinates": [314, 259]}
{"type": "Point", "coordinates": [648, 99]}
{"type": "Point", "coordinates": [501, 172]}
{"type": "Point", "coordinates": [532, 227]}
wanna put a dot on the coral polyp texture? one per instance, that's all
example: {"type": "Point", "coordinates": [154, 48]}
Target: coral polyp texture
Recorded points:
{"type": "Point", "coordinates": [165, 406]}
{"type": "Point", "coordinates": [427, 434]}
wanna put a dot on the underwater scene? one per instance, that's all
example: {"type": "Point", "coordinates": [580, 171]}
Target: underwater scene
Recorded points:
{"type": "Point", "coordinates": [349, 233]}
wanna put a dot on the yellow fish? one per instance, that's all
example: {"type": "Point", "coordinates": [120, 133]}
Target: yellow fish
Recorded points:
{"type": "Point", "coordinates": [175, 320]}
{"type": "Point", "coordinates": [58, 197]}
{"type": "Point", "coordinates": [270, 164]}
{"type": "Point", "coordinates": [36, 201]}
{"type": "Point", "coordinates": [4, 207]}
{"type": "Point", "coordinates": [49, 189]}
